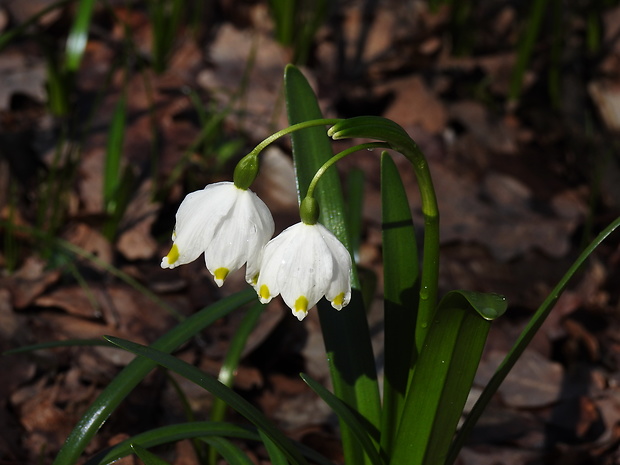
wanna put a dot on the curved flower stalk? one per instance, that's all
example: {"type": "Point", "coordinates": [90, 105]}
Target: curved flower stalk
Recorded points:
{"type": "Point", "coordinates": [304, 263]}
{"type": "Point", "coordinates": [228, 224]}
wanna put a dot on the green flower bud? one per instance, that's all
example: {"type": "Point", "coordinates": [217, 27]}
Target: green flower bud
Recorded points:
{"type": "Point", "coordinates": [309, 210]}
{"type": "Point", "coordinates": [246, 171]}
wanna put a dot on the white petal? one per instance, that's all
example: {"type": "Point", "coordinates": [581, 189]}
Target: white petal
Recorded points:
{"type": "Point", "coordinates": [339, 290]}
{"type": "Point", "coordinates": [241, 235]}
{"type": "Point", "coordinates": [260, 230]}
{"type": "Point", "coordinates": [197, 219]}
{"type": "Point", "coordinates": [228, 224]}
{"type": "Point", "coordinates": [274, 253]}
{"type": "Point", "coordinates": [308, 269]}
{"type": "Point", "coordinates": [304, 263]}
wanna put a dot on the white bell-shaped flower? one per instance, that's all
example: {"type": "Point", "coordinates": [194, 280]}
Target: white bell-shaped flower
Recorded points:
{"type": "Point", "coordinates": [304, 263]}
{"type": "Point", "coordinates": [228, 224]}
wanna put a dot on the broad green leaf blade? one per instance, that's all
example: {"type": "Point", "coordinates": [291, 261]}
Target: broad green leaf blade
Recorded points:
{"type": "Point", "coordinates": [363, 433]}
{"type": "Point", "coordinates": [400, 277]}
{"type": "Point", "coordinates": [312, 148]}
{"type": "Point", "coordinates": [443, 377]}
{"type": "Point", "coordinates": [346, 334]}
{"type": "Point", "coordinates": [134, 372]}
{"type": "Point", "coordinates": [231, 453]}
{"type": "Point", "coordinates": [355, 199]}
{"type": "Point", "coordinates": [169, 434]}
{"type": "Point", "coordinates": [208, 382]}
{"type": "Point", "coordinates": [78, 36]}
{"type": "Point", "coordinates": [524, 339]}
{"type": "Point", "coordinates": [147, 457]}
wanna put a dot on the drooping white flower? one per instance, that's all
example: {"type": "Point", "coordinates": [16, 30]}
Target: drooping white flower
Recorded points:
{"type": "Point", "coordinates": [304, 263]}
{"type": "Point", "coordinates": [229, 225]}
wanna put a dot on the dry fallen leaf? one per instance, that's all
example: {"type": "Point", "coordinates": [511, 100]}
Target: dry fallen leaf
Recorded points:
{"type": "Point", "coordinates": [533, 382]}
{"type": "Point", "coordinates": [30, 281]}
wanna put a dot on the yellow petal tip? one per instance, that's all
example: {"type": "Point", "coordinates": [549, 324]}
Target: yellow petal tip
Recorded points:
{"type": "Point", "coordinates": [220, 275]}
{"type": "Point", "coordinates": [169, 260]}
{"type": "Point", "coordinates": [264, 293]}
{"type": "Point", "coordinates": [301, 307]}
{"type": "Point", "coordinates": [338, 301]}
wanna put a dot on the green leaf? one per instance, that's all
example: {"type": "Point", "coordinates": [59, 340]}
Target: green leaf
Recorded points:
{"type": "Point", "coordinates": [56, 344]}
{"type": "Point", "coordinates": [134, 372]}
{"type": "Point", "coordinates": [375, 127]}
{"type": "Point", "coordinates": [443, 377]}
{"type": "Point", "coordinates": [372, 127]}
{"type": "Point", "coordinates": [400, 277]}
{"type": "Point", "coordinates": [208, 382]}
{"type": "Point", "coordinates": [147, 457]}
{"type": "Point", "coordinates": [346, 334]}
{"type": "Point", "coordinates": [276, 456]}
{"type": "Point", "coordinates": [231, 361]}
{"type": "Point", "coordinates": [355, 199]}
{"type": "Point", "coordinates": [526, 46]}
{"type": "Point", "coordinates": [523, 341]}
{"type": "Point", "coordinates": [18, 29]}
{"type": "Point", "coordinates": [363, 433]}
{"type": "Point", "coordinates": [114, 153]}
{"type": "Point", "coordinates": [78, 36]}
{"type": "Point", "coordinates": [231, 453]}
{"type": "Point", "coordinates": [169, 434]}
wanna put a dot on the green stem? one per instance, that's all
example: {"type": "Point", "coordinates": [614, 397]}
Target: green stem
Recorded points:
{"type": "Point", "coordinates": [430, 260]}
{"type": "Point", "coordinates": [339, 156]}
{"type": "Point", "coordinates": [375, 127]}
{"type": "Point", "coordinates": [288, 130]}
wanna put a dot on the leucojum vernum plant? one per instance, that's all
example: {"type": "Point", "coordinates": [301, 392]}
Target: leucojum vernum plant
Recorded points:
{"type": "Point", "coordinates": [432, 347]}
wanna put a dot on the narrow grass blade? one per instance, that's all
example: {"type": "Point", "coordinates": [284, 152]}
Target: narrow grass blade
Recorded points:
{"type": "Point", "coordinates": [169, 434]}
{"type": "Point", "coordinates": [400, 277]}
{"type": "Point", "coordinates": [276, 456]}
{"type": "Point", "coordinates": [346, 334]}
{"type": "Point", "coordinates": [166, 17]}
{"type": "Point", "coordinates": [199, 448]}
{"type": "Point", "coordinates": [73, 251]}
{"type": "Point", "coordinates": [56, 344]}
{"type": "Point", "coordinates": [134, 372]}
{"type": "Point", "coordinates": [233, 355]}
{"type": "Point", "coordinates": [58, 83]}
{"type": "Point", "coordinates": [526, 47]}
{"type": "Point", "coordinates": [147, 457]}
{"type": "Point", "coordinates": [283, 12]}
{"type": "Point", "coordinates": [78, 35]}
{"type": "Point", "coordinates": [232, 454]}
{"type": "Point", "coordinates": [443, 377]}
{"type": "Point", "coordinates": [202, 379]}
{"type": "Point", "coordinates": [363, 433]}
{"type": "Point", "coordinates": [16, 30]}
{"type": "Point", "coordinates": [113, 156]}
{"type": "Point", "coordinates": [231, 362]}
{"type": "Point", "coordinates": [523, 341]}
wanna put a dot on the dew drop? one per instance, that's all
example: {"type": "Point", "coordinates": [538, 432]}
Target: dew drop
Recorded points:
{"type": "Point", "coordinates": [489, 313]}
